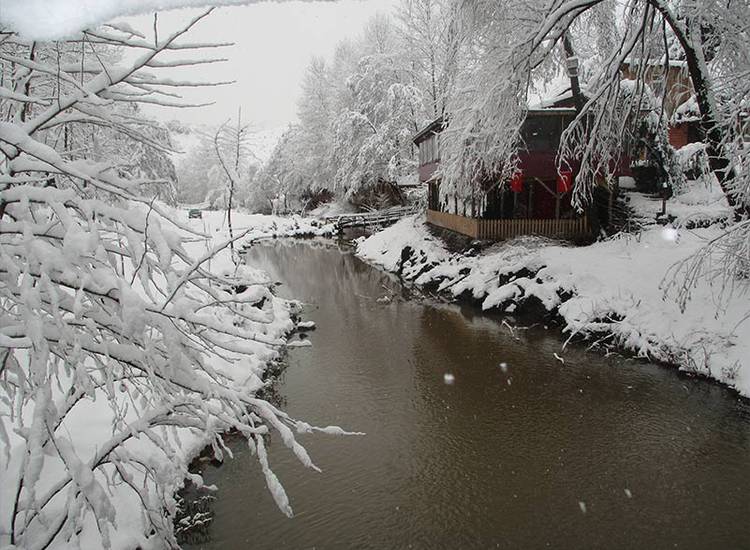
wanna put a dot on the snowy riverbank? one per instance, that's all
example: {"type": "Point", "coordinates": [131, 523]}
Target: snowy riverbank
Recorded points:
{"type": "Point", "coordinates": [611, 291]}
{"type": "Point", "coordinates": [143, 506]}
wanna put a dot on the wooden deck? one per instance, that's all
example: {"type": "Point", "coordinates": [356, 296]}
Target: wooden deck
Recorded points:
{"type": "Point", "coordinates": [497, 230]}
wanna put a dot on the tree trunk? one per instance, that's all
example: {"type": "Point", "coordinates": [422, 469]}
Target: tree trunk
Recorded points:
{"type": "Point", "coordinates": [572, 68]}
{"type": "Point", "coordinates": [691, 41]}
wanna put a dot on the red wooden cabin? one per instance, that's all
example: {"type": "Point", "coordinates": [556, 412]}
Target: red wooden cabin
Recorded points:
{"type": "Point", "coordinates": [536, 201]}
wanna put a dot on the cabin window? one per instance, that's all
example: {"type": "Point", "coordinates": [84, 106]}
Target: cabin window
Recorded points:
{"type": "Point", "coordinates": [542, 133]}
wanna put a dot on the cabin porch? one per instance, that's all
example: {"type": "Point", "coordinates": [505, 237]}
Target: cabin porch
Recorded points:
{"type": "Point", "coordinates": [529, 206]}
{"type": "Point", "coordinates": [536, 201]}
{"type": "Point", "coordinates": [496, 230]}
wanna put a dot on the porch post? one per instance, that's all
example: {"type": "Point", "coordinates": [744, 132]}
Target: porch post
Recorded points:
{"type": "Point", "coordinates": [529, 210]}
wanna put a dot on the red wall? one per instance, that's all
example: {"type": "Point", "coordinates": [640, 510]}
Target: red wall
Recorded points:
{"type": "Point", "coordinates": [538, 164]}
{"type": "Point", "coordinates": [427, 170]}
{"type": "Point", "coordinates": [678, 136]}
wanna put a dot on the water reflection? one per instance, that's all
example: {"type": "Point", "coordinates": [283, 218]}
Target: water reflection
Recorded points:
{"type": "Point", "coordinates": [496, 459]}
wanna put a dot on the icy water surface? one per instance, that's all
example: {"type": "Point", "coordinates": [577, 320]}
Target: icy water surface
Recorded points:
{"type": "Point", "coordinates": [593, 453]}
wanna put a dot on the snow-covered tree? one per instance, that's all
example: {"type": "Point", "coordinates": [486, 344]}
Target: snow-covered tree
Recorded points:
{"type": "Point", "coordinates": [193, 167]}
{"type": "Point", "coordinates": [236, 140]}
{"type": "Point", "coordinates": [286, 173]}
{"type": "Point", "coordinates": [372, 142]}
{"type": "Point", "coordinates": [357, 115]}
{"type": "Point", "coordinates": [432, 40]}
{"type": "Point", "coordinates": [200, 174]}
{"type": "Point", "coordinates": [517, 40]}
{"type": "Point", "coordinates": [316, 110]}
{"type": "Point", "coordinates": [104, 314]}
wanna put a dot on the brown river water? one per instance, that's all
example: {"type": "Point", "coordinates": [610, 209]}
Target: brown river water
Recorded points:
{"type": "Point", "coordinates": [593, 453]}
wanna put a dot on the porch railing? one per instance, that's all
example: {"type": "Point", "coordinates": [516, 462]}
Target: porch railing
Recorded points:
{"type": "Point", "coordinates": [507, 229]}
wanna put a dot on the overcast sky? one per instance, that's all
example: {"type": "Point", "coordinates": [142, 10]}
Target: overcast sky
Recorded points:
{"type": "Point", "coordinates": [273, 46]}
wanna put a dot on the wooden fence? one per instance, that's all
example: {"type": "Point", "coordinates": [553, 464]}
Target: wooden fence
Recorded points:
{"type": "Point", "coordinates": [507, 229]}
{"type": "Point", "coordinates": [454, 222]}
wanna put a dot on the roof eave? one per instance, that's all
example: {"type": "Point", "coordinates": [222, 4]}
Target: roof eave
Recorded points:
{"type": "Point", "coordinates": [433, 127]}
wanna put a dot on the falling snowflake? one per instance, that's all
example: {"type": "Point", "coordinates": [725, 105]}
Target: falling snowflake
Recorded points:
{"type": "Point", "coordinates": [670, 234]}
{"type": "Point", "coordinates": [504, 367]}
{"type": "Point", "coordinates": [449, 379]}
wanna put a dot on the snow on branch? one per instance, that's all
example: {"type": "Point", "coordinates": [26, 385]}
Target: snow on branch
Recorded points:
{"type": "Point", "coordinates": [121, 353]}
{"type": "Point", "coordinates": [56, 19]}
{"type": "Point", "coordinates": [644, 59]}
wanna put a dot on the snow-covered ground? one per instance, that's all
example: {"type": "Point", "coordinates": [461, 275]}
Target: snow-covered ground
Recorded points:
{"type": "Point", "coordinates": [252, 227]}
{"type": "Point", "coordinates": [700, 204]}
{"type": "Point", "coordinates": [612, 290]}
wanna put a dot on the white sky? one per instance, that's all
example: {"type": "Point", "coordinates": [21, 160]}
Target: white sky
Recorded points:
{"type": "Point", "coordinates": [273, 46]}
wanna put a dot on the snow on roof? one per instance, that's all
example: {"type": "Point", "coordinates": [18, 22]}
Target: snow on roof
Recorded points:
{"type": "Point", "coordinates": [552, 102]}
{"type": "Point", "coordinates": [544, 96]}
{"type": "Point", "coordinates": [409, 180]}
{"type": "Point", "coordinates": [549, 100]}
{"type": "Point", "coordinates": [687, 112]}
{"type": "Point", "coordinates": [656, 62]}
{"type": "Point", "coordinates": [55, 19]}
{"type": "Point", "coordinates": [436, 126]}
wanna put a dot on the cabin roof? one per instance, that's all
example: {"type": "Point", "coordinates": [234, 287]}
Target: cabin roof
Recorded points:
{"type": "Point", "coordinates": [635, 62]}
{"type": "Point", "coordinates": [435, 126]}
{"type": "Point", "coordinates": [439, 124]}
{"type": "Point", "coordinates": [559, 97]}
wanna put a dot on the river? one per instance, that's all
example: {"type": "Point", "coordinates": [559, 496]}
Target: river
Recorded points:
{"type": "Point", "coordinates": [521, 450]}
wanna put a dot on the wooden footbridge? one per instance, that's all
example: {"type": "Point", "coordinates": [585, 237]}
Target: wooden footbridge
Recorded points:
{"type": "Point", "coordinates": [371, 219]}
